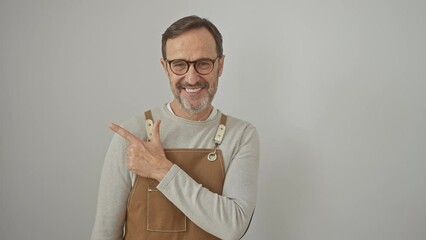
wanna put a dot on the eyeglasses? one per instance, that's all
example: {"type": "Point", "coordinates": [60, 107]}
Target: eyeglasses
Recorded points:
{"type": "Point", "coordinates": [202, 66]}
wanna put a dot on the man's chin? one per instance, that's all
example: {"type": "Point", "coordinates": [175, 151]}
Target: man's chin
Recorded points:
{"type": "Point", "coordinates": [194, 108]}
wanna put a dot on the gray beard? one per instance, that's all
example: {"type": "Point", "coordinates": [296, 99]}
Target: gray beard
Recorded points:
{"type": "Point", "coordinates": [205, 103]}
{"type": "Point", "coordinates": [195, 109]}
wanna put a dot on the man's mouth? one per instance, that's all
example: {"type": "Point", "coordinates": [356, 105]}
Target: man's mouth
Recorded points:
{"type": "Point", "coordinates": [192, 90]}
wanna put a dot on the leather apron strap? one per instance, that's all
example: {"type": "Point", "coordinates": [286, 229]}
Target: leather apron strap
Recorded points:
{"type": "Point", "coordinates": [218, 138]}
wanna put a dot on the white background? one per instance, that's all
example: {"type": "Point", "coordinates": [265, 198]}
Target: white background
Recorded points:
{"type": "Point", "coordinates": [335, 88]}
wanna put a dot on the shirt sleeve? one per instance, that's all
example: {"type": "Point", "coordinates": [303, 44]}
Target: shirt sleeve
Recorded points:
{"type": "Point", "coordinates": [225, 216]}
{"type": "Point", "coordinates": [114, 188]}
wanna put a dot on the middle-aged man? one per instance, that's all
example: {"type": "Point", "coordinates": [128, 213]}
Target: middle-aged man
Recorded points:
{"type": "Point", "coordinates": [193, 178]}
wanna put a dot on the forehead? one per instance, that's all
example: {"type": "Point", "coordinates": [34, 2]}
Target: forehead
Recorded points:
{"type": "Point", "coordinates": [191, 45]}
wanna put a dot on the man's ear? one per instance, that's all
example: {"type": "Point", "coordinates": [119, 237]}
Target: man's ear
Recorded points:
{"type": "Point", "coordinates": [221, 64]}
{"type": "Point", "coordinates": [164, 64]}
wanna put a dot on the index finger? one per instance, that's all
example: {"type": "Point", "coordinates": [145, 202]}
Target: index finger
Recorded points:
{"type": "Point", "coordinates": [124, 133]}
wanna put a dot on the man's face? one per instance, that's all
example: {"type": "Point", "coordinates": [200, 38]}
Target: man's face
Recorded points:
{"type": "Point", "coordinates": [192, 91]}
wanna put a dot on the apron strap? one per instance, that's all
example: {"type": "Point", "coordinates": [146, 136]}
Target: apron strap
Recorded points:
{"type": "Point", "coordinates": [220, 133]}
{"type": "Point", "coordinates": [149, 123]}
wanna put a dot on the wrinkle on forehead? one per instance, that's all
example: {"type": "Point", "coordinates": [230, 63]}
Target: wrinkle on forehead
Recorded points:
{"type": "Point", "coordinates": [192, 45]}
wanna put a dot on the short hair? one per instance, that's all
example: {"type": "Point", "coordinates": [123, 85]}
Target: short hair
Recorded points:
{"type": "Point", "coordinates": [188, 23]}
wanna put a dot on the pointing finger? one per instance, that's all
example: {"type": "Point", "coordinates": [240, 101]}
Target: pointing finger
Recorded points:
{"type": "Point", "coordinates": [124, 133]}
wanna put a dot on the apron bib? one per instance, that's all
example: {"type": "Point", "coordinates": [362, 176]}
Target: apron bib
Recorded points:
{"type": "Point", "coordinates": [151, 216]}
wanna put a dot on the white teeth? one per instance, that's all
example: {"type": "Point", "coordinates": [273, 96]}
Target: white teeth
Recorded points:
{"type": "Point", "coordinates": [192, 90]}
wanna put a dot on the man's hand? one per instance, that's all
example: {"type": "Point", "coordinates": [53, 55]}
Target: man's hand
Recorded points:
{"type": "Point", "coordinates": [146, 159]}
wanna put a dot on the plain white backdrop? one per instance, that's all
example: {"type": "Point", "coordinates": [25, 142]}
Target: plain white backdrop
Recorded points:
{"type": "Point", "coordinates": [335, 88]}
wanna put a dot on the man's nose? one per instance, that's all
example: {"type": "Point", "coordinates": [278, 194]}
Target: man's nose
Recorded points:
{"type": "Point", "coordinates": [192, 76]}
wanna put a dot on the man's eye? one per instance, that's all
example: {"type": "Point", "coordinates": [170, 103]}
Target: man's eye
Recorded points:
{"type": "Point", "coordinates": [204, 64]}
{"type": "Point", "coordinates": [179, 64]}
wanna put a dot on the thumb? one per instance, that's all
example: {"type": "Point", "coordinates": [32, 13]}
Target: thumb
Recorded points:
{"type": "Point", "coordinates": [156, 131]}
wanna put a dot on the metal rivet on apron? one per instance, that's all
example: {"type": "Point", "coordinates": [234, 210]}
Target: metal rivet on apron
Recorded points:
{"type": "Point", "coordinates": [212, 156]}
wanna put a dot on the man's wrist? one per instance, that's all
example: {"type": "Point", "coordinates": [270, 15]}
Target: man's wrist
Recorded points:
{"type": "Point", "coordinates": [163, 170]}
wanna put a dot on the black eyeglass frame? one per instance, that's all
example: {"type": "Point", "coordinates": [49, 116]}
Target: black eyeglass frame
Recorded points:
{"type": "Point", "coordinates": [189, 63]}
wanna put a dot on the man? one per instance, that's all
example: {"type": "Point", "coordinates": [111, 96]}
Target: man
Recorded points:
{"type": "Point", "coordinates": [195, 177]}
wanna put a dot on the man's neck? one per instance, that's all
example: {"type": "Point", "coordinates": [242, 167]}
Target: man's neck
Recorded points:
{"type": "Point", "coordinates": [180, 112]}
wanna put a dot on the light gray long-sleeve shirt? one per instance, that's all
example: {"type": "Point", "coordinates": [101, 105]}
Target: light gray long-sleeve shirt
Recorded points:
{"type": "Point", "coordinates": [225, 216]}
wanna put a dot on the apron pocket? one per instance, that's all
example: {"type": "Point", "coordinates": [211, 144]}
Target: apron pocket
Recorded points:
{"type": "Point", "coordinates": [163, 215]}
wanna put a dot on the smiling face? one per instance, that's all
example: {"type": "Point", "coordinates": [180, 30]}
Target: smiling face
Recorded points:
{"type": "Point", "coordinates": [193, 92]}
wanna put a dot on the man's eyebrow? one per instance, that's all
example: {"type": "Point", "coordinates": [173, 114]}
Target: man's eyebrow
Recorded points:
{"type": "Point", "coordinates": [202, 58]}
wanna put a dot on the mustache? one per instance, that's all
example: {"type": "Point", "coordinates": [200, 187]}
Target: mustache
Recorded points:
{"type": "Point", "coordinates": [197, 84]}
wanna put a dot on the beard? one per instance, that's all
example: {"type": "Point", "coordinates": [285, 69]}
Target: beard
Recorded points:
{"type": "Point", "coordinates": [195, 105]}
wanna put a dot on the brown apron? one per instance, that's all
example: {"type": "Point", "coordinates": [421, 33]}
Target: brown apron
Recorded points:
{"type": "Point", "coordinates": [151, 216]}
